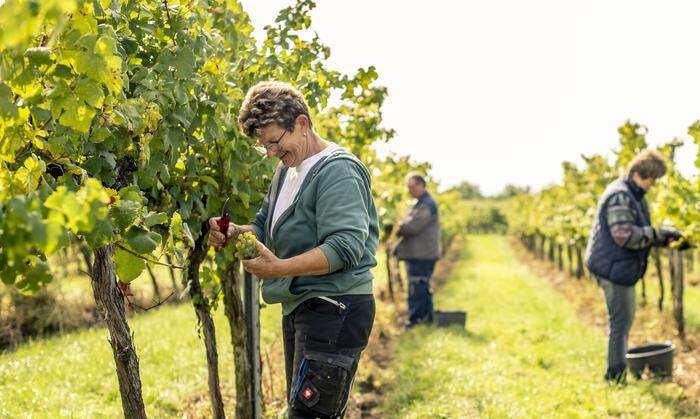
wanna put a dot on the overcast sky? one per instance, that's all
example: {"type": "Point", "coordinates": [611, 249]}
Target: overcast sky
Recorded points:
{"type": "Point", "coordinates": [498, 91]}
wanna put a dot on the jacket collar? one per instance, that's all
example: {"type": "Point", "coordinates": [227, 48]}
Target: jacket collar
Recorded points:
{"type": "Point", "coordinates": [423, 197]}
{"type": "Point", "coordinates": [338, 153]}
{"type": "Point", "coordinates": [636, 190]}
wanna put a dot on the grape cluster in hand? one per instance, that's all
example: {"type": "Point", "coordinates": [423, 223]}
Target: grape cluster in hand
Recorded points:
{"type": "Point", "coordinates": [245, 246]}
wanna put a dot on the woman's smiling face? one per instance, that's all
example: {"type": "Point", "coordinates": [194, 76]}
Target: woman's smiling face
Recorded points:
{"type": "Point", "coordinates": [290, 146]}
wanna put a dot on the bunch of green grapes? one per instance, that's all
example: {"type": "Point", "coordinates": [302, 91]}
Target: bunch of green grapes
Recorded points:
{"type": "Point", "coordinates": [245, 246]}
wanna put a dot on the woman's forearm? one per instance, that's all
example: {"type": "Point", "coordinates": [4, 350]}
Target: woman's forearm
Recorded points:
{"type": "Point", "coordinates": [313, 262]}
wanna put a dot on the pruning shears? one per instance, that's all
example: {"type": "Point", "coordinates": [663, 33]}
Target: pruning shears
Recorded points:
{"type": "Point", "coordinates": [223, 223]}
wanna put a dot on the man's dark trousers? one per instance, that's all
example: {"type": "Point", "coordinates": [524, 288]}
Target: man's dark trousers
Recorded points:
{"type": "Point", "coordinates": [420, 297]}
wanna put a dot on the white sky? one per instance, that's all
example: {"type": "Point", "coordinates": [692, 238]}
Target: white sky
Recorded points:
{"type": "Point", "coordinates": [503, 91]}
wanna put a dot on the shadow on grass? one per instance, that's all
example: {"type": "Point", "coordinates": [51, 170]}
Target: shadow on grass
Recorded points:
{"type": "Point", "coordinates": [455, 331]}
{"type": "Point", "coordinates": [466, 334]}
{"type": "Point", "coordinates": [467, 253]}
{"type": "Point", "coordinates": [681, 407]}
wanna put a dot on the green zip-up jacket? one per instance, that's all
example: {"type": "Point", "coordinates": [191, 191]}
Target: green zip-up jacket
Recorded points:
{"type": "Point", "coordinates": [334, 211]}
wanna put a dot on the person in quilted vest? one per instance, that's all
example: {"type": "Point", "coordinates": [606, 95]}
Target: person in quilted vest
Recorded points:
{"type": "Point", "coordinates": [618, 249]}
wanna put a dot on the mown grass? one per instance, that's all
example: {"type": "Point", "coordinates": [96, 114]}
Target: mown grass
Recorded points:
{"type": "Point", "coordinates": [525, 353]}
{"type": "Point", "coordinates": [67, 304]}
{"type": "Point", "coordinates": [73, 374]}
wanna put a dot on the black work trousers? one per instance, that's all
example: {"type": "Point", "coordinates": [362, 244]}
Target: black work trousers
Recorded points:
{"type": "Point", "coordinates": [323, 341]}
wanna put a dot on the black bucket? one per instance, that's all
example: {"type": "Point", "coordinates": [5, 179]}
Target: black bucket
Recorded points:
{"type": "Point", "coordinates": [449, 318]}
{"type": "Point", "coordinates": [658, 357]}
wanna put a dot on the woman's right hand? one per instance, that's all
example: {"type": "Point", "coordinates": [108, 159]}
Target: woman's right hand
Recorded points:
{"type": "Point", "coordinates": [216, 237]}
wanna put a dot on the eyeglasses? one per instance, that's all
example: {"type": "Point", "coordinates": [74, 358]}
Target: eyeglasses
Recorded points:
{"type": "Point", "coordinates": [272, 146]}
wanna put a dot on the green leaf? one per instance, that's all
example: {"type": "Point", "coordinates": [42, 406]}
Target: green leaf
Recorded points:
{"type": "Point", "coordinates": [142, 241]}
{"type": "Point", "coordinates": [176, 226]}
{"type": "Point", "coordinates": [125, 212]}
{"type": "Point", "coordinates": [155, 218]}
{"type": "Point", "coordinates": [187, 235]}
{"type": "Point", "coordinates": [84, 20]}
{"type": "Point", "coordinates": [90, 92]}
{"type": "Point", "coordinates": [184, 63]}
{"type": "Point", "coordinates": [49, 236]}
{"type": "Point", "coordinates": [7, 105]}
{"type": "Point", "coordinates": [245, 199]}
{"type": "Point", "coordinates": [99, 134]}
{"type": "Point", "coordinates": [65, 203]}
{"type": "Point", "coordinates": [105, 4]}
{"type": "Point", "coordinates": [210, 180]}
{"type": "Point", "coordinates": [128, 266]}
{"type": "Point", "coordinates": [38, 56]}
{"type": "Point", "coordinates": [76, 114]}
{"type": "Point", "coordinates": [83, 210]}
{"type": "Point", "coordinates": [102, 233]}
{"type": "Point", "coordinates": [28, 176]}
{"type": "Point", "coordinates": [36, 277]}
{"type": "Point", "coordinates": [132, 193]}
{"type": "Point", "coordinates": [99, 61]}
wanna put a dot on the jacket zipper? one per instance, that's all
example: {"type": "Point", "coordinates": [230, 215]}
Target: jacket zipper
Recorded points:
{"type": "Point", "coordinates": [334, 302]}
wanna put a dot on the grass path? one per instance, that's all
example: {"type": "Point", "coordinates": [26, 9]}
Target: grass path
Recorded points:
{"type": "Point", "coordinates": [525, 353]}
{"type": "Point", "coordinates": [73, 375]}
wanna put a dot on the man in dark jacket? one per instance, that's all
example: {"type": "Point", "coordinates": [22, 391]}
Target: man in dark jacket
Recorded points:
{"type": "Point", "coordinates": [618, 249]}
{"type": "Point", "coordinates": [420, 248]}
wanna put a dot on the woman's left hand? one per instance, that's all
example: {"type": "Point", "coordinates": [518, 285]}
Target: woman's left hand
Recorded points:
{"type": "Point", "coordinates": [265, 266]}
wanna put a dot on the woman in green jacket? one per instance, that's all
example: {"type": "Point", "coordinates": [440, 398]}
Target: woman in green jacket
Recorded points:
{"type": "Point", "coordinates": [318, 234]}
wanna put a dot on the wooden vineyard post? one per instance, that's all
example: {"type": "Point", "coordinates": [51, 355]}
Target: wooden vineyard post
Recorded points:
{"type": "Point", "coordinates": [560, 257]}
{"type": "Point", "coordinates": [550, 253]}
{"type": "Point", "coordinates": [399, 275]}
{"type": "Point", "coordinates": [154, 282]}
{"type": "Point", "coordinates": [579, 263]}
{"type": "Point", "coordinates": [543, 240]}
{"type": "Point", "coordinates": [389, 275]}
{"type": "Point", "coordinates": [677, 282]}
{"type": "Point", "coordinates": [660, 274]}
{"type": "Point", "coordinates": [689, 260]}
{"type": "Point", "coordinates": [251, 303]}
{"type": "Point", "coordinates": [173, 279]}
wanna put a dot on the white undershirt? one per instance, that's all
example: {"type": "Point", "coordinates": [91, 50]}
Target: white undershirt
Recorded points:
{"type": "Point", "coordinates": [293, 180]}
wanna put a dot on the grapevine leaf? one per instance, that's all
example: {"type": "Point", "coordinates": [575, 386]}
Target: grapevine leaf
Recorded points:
{"type": "Point", "coordinates": [102, 233]}
{"type": "Point", "coordinates": [128, 266]}
{"type": "Point", "coordinates": [35, 278]}
{"type": "Point", "coordinates": [38, 56]}
{"type": "Point", "coordinates": [125, 212]}
{"type": "Point", "coordinates": [142, 241]}
{"type": "Point", "coordinates": [155, 218]}
{"type": "Point", "coordinates": [76, 114]}
{"type": "Point", "coordinates": [7, 106]}
{"type": "Point", "coordinates": [90, 92]}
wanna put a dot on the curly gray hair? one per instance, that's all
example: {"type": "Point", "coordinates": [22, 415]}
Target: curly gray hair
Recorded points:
{"type": "Point", "coordinates": [271, 102]}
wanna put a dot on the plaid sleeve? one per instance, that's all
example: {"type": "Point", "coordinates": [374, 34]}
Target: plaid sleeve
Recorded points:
{"type": "Point", "coordinates": [622, 222]}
